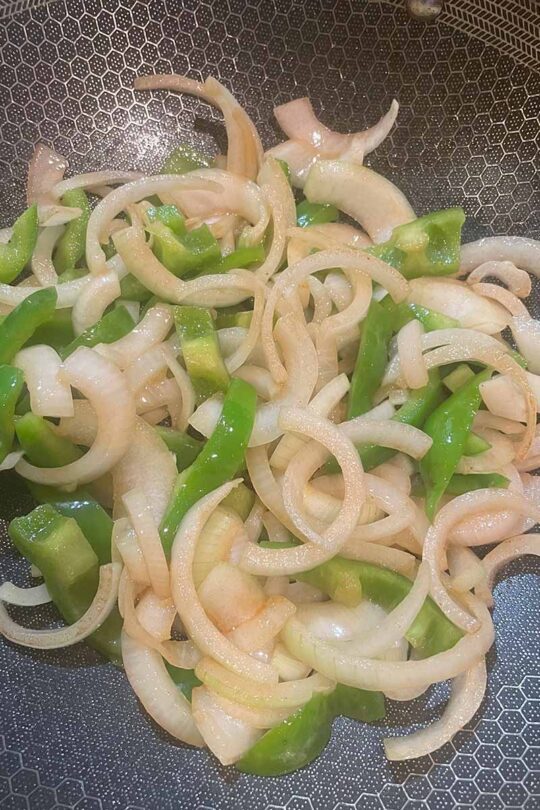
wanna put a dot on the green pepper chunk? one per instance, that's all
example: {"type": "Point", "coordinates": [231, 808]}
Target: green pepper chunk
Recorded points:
{"type": "Point", "coordinates": [200, 350]}
{"type": "Point", "coordinates": [449, 426]}
{"type": "Point", "coordinates": [460, 484]}
{"type": "Point", "coordinates": [11, 384]}
{"type": "Point", "coordinates": [185, 679]}
{"type": "Point", "coordinates": [228, 319]}
{"type": "Point", "coordinates": [181, 254]}
{"type": "Point", "coordinates": [217, 462]}
{"type": "Point", "coordinates": [133, 290]}
{"type": "Point", "coordinates": [42, 446]}
{"type": "Point", "coordinates": [285, 168]}
{"type": "Point", "coordinates": [112, 326]}
{"type": "Point", "coordinates": [427, 246]}
{"type": "Point", "coordinates": [371, 359]}
{"type": "Point", "coordinates": [239, 258]}
{"type": "Point", "coordinates": [18, 327]}
{"type": "Point", "coordinates": [185, 158]}
{"type": "Point", "coordinates": [475, 444]}
{"type": "Point", "coordinates": [168, 215]}
{"type": "Point", "coordinates": [71, 246]}
{"type": "Point", "coordinates": [185, 447]}
{"type": "Point", "coordinates": [15, 255]}
{"type": "Point", "coordinates": [70, 568]}
{"type": "Point", "coordinates": [56, 332]}
{"type": "Point", "coordinates": [308, 213]}
{"type": "Point", "coordinates": [404, 312]}
{"type": "Point", "coordinates": [240, 500]}
{"type": "Point", "coordinates": [300, 738]}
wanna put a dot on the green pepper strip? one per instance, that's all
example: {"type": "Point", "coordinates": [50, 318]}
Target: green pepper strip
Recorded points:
{"type": "Point", "coordinates": [21, 323]}
{"type": "Point", "coordinates": [70, 569]}
{"type": "Point", "coordinates": [460, 484]}
{"type": "Point", "coordinates": [132, 290]}
{"type": "Point", "coordinates": [371, 359]}
{"type": "Point", "coordinates": [92, 519]}
{"type": "Point", "coordinates": [475, 444]}
{"type": "Point", "coordinates": [15, 255]}
{"type": "Point", "coordinates": [200, 350]}
{"type": "Point", "coordinates": [71, 246]}
{"type": "Point", "coordinates": [168, 215]}
{"type": "Point", "coordinates": [228, 319]}
{"type": "Point", "coordinates": [240, 500]}
{"type": "Point", "coordinates": [185, 679]}
{"type": "Point", "coordinates": [185, 447]}
{"type": "Point", "coordinates": [217, 462]}
{"type": "Point", "coordinates": [11, 383]}
{"type": "Point", "coordinates": [185, 158]}
{"type": "Point", "coordinates": [112, 326]}
{"type": "Point", "coordinates": [404, 312]}
{"type": "Point", "coordinates": [194, 250]}
{"type": "Point", "coordinates": [308, 213]}
{"type": "Point", "coordinates": [427, 246]}
{"type": "Point", "coordinates": [241, 257]}
{"type": "Point", "coordinates": [449, 426]}
{"type": "Point", "coordinates": [56, 332]}
{"type": "Point", "coordinates": [42, 446]}
{"type": "Point", "coordinates": [300, 738]}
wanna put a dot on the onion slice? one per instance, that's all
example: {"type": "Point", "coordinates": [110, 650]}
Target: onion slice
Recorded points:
{"type": "Point", "coordinates": [24, 597]}
{"type": "Point", "coordinates": [142, 520]}
{"type": "Point", "coordinates": [506, 552]}
{"type": "Point", "coordinates": [94, 299]}
{"type": "Point", "coordinates": [50, 395]}
{"type": "Point", "coordinates": [228, 737]}
{"type": "Point", "coordinates": [102, 604]}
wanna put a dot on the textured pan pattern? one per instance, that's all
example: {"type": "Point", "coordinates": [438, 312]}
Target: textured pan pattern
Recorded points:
{"type": "Point", "coordinates": [71, 733]}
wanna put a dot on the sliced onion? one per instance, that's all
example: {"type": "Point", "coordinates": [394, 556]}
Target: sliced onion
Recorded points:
{"type": "Point", "coordinates": [50, 395]}
{"type": "Point", "coordinates": [156, 615]}
{"type": "Point", "coordinates": [107, 391]}
{"type": "Point", "coordinates": [228, 737]}
{"type": "Point", "coordinates": [255, 694]}
{"type": "Point", "coordinates": [229, 596]}
{"type": "Point", "coordinates": [201, 630]}
{"type": "Point", "coordinates": [261, 630]}
{"type": "Point", "coordinates": [67, 293]}
{"type": "Point", "coordinates": [157, 692]}
{"type": "Point", "coordinates": [532, 459]}
{"type": "Point", "coordinates": [100, 607]}
{"type": "Point", "coordinates": [523, 252]}
{"type": "Point", "coordinates": [42, 263]}
{"type": "Point", "coordinates": [124, 539]}
{"type": "Point", "coordinates": [94, 299]}
{"type": "Point", "coordinates": [81, 428]}
{"type": "Point", "coordinates": [393, 558]}
{"type": "Point", "coordinates": [151, 330]}
{"type": "Point", "coordinates": [261, 380]}
{"type": "Point", "coordinates": [280, 200]}
{"type": "Point", "coordinates": [485, 419]}
{"type": "Point", "coordinates": [459, 301]}
{"type": "Point", "coordinates": [147, 367]}
{"type": "Point", "coordinates": [466, 569]}
{"type": "Point", "coordinates": [501, 453]}
{"type": "Point", "coordinates": [331, 621]}
{"type": "Point", "coordinates": [409, 343]}
{"type": "Point", "coordinates": [472, 503]}
{"type": "Point", "coordinates": [503, 398]}
{"type": "Point", "coordinates": [24, 597]}
{"type": "Point", "coordinates": [11, 460]}
{"type": "Point", "coordinates": [399, 436]}
{"type": "Point", "coordinates": [468, 692]}
{"type": "Point", "coordinates": [255, 718]}
{"type": "Point", "coordinates": [108, 177]}
{"type": "Point", "coordinates": [504, 297]}
{"type": "Point", "coordinates": [372, 200]}
{"type": "Point", "coordinates": [517, 281]}
{"type": "Point", "coordinates": [506, 552]}
{"type": "Point", "coordinates": [526, 333]}
{"type": "Point", "coordinates": [215, 542]}
{"type": "Point", "coordinates": [142, 520]}
{"type": "Point", "coordinates": [345, 666]}
{"type": "Point", "coordinates": [46, 168]}
{"type": "Point", "coordinates": [185, 386]}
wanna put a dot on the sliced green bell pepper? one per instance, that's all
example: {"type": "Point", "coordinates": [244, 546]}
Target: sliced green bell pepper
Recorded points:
{"type": "Point", "coordinates": [239, 258]}
{"type": "Point", "coordinates": [11, 384]}
{"type": "Point", "coordinates": [15, 255]}
{"type": "Point", "coordinates": [460, 484]}
{"type": "Point", "coordinates": [56, 332]}
{"type": "Point", "coordinates": [42, 446]}
{"type": "Point", "coordinates": [112, 326]}
{"type": "Point", "coordinates": [371, 359]}
{"type": "Point", "coordinates": [404, 312]}
{"type": "Point", "coordinates": [217, 462]}
{"type": "Point", "coordinates": [228, 319]}
{"type": "Point", "coordinates": [200, 350]}
{"type": "Point", "coordinates": [193, 250]}
{"type": "Point", "coordinates": [133, 290]}
{"type": "Point", "coordinates": [475, 444]}
{"type": "Point", "coordinates": [308, 213]}
{"type": "Point", "coordinates": [18, 327]}
{"type": "Point", "coordinates": [240, 500]}
{"type": "Point", "coordinates": [71, 246]}
{"type": "Point", "coordinates": [185, 447]}
{"type": "Point", "coordinates": [185, 679]}
{"type": "Point", "coordinates": [185, 158]}
{"type": "Point", "coordinates": [168, 215]}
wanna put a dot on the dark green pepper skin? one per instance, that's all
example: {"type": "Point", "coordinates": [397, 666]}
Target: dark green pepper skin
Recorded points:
{"type": "Point", "coordinates": [42, 446]}
{"type": "Point", "coordinates": [371, 360]}
{"type": "Point", "coordinates": [15, 255]}
{"type": "Point", "coordinates": [71, 246]}
{"type": "Point", "coordinates": [11, 383]}
{"type": "Point", "coordinates": [112, 326]}
{"type": "Point", "coordinates": [300, 738]}
{"type": "Point", "coordinates": [185, 447]}
{"type": "Point", "coordinates": [460, 484]}
{"type": "Point", "coordinates": [185, 679]}
{"type": "Point", "coordinates": [21, 323]}
{"type": "Point", "coordinates": [449, 426]}
{"type": "Point", "coordinates": [185, 158]}
{"type": "Point", "coordinates": [218, 461]}
{"type": "Point", "coordinates": [308, 213]}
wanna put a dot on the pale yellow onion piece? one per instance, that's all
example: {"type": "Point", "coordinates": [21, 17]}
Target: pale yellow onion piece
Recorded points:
{"type": "Point", "coordinates": [396, 474]}
{"type": "Point", "coordinates": [517, 281]}
{"type": "Point", "coordinates": [201, 630]}
{"type": "Point", "coordinates": [258, 695]}
{"type": "Point", "coordinates": [261, 380]}
{"type": "Point", "coordinates": [280, 200]}
{"type": "Point", "coordinates": [46, 168]}
{"type": "Point", "coordinates": [262, 629]}
{"type": "Point", "coordinates": [231, 338]}
{"type": "Point", "coordinates": [142, 520]}
{"type": "Point", "coordinates": [322, 302]}
{"type": "Point", "coordinates": [465, 568]}
{"type": "Point", "coordinates": [41, 263]}
{"type": "Point", "coordinates": [345, 666]}
{"type": "Point", "coordinates": [504, 553]}
{"type": "Point", "coordinates": [11, 460]}
{"type": "Point", "coordinates": [288, 667]}
{"type": "Point", "coordinates": [94, 299]}
{"type": "Point", "coordinates": [472, 503]}
{"type": "Point", "coordinates": [523, 252]}
{"type": "Point", "coordinates": [526, 333]}
{"type": "Point", "coordinates": [67, 293]}
{"type": "Point", "coordinates": [328, 439]}
{"type": "Point", "coordinates": [100, 607]}
{"type": "Point", "coordinates": [50, 395]}
{"type": "Point", "coordinates": [228, 737]}
{"type": "Point", "coordinates": [81, 428]}
{"type": "Point", "coordinates": [339, 289]}
{"type": "Point", "coordinates": [156, 615]}
{"type": "Point", "coordinates": [90, 180]}
{"type": "Point", "coordinates": [24, 597]}
{"type": "Point", "coordinates": [387, 433]}
{"type": "Point", "coordinates": [253, 524]}
{"type": "Point", "coordinates": [147, 465]}
{"type": "Point", "coordinates": [505, 425]}
{"type": "Point", "coordinates": [409, 346]}
{"type": "Point", "coordinates": [161, 393]}
{"type": "Point", "coordinates": [149, 365]}
{"type": "Point", "coordinates": [118, 200]}
{"type": "Point", "coordinates": [215, 542]}
{"type": "Point", "coordinates": [369, 198]}
{"type": "Point", "coordinates": [504, 399]}
{"type": "Point", "coordinates": [331, 621]}
{"type": "Point", "coordinates": [532, 459]}
{"type": "Point", "coordinates": [459, 301]}
{"type": "Point", "coordinates": [468, 691]}
{"type": "Point", "coordinates": [393, 558]}
{"type": "Point", "coordinates": [322, 404]}
{"type": "Point", "coordinates": [501, 453]}
{"type": "Point", "coordinates": [105, 387]}
{"type": "Point", "coordinates": [244, 147]}
{"type": "Point", "coordinates": [149, 332]}
{"type": "Point", "coordinates": [289, 279]}
{"type": "Point", "coordinates": [184, 383]}
{"type": "Point", "coordinates": [503, 297]}
{"type": "Point", "coordinates": [299, 157]}
{"type": "Point", "coordinates": [274, 528]}
{"type": "Point", "coordinates": [157, 692]}
{"type": "Point", "coordinates": [256, 718]}
{"type": "Point", "coordinates": [229, 596]}
{"type": "Point", "coordinates": [124, 540]}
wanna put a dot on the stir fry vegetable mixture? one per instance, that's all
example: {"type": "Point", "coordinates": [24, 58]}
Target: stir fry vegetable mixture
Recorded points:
{"type": "Point", "coordinates": [263, 441]}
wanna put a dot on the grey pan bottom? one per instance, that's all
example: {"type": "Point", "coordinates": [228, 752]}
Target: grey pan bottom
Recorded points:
{"type": "Point", "coordinates": [71, 732]}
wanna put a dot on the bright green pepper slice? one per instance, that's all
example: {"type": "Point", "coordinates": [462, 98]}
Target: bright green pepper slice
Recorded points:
{"type": "Point", "coordinates": [404, 312]}
{"type": "Point", "coordinates": [132, 289]}
{"type": "Point", "coordinates": [71, 246]}
{"type": "Point", "coordinates": [371, 359]}
{"type": "Point", "coordinates": [475, 444]}
{"type": "Point", "coordinates": [18, 327]}
{"type": "Point", "coordinates": [15, 255]}
{"type": "Point", "coordinates": [239, 258]}
{"type": "Point", "coordinates": [460, 484]}
{"type": "Point", "coordinates": [70, 568]}
{"type": "Point", "coordinates": [185, 158]}
{"type": "Point", "coordinates": [427, 246]}
{"type": "Point", "coordinates": [200, 350]}
{"type": "Point", "coordinates": [112, 326]}
{"type": "Point", "coordinates": [217, 462]}
{"type": "Point", "coordinates": [229, 319]}
{"type": "Point", "coordinates": [42, 446]}
{"type": "Point", "coordinates": [168, 215]}
{"type": "Point", "coordinates": [185, 679]}
{"type": "Point", "coordinates": [194, 250]}
{"type": "Point", "coordinates": [11, 383]}
{"type": "Point", "coordinates": [308, 213]}
{"type": "Point", "coordinates": [449, 426]}
{"type": "Point", "coordinates": [185, 447]}
{"type": "Point", "coordinates": [56, 332]}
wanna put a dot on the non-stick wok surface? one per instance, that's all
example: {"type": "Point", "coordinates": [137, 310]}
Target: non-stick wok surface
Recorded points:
{"type": "Point", "coordinates": [71, 731]}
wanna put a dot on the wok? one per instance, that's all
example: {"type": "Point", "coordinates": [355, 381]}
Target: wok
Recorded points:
{"type": "Point", "coordinates": [71, 731]}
